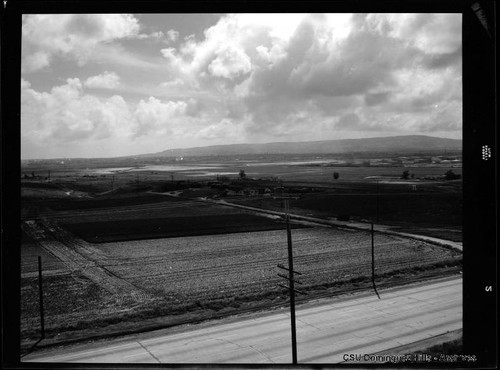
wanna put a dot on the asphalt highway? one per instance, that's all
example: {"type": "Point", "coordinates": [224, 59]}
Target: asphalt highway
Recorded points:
{"type": "Point", "coordinates": [327, 331]}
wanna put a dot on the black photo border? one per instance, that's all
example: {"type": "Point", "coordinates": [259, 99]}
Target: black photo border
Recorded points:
{"type": "Point", "coordinates": [479, 130]}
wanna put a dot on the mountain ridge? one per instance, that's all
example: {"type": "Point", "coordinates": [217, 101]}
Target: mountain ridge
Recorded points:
{"type": "Point", "coordinates": [403, 143]}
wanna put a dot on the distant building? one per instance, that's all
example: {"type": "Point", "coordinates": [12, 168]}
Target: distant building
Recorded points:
{"type": "Point", "coordinates": [264, 191]}
{"type": "Point", "coordinates": [251, 192]}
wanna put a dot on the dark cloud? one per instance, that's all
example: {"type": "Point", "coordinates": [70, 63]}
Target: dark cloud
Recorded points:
{"type": "Point", "coordinates": [363, 62]}
{"type": "Point", "coordinates": [443, 60]}
{"type": "Point", "coordinates": [194, 107]}
{"type": "Point", "coordinates": [85, 25]}
{"type": "Point", "coordinates": [376, 98]}
{"type": "Point", "coordinates": [441, 123]}
{"type": "Point", "coordinates": [335, 105]}
{"type": "Point", "coordinates": [303, 78]}
{"type": "Point", "coordinates": [350, 121]}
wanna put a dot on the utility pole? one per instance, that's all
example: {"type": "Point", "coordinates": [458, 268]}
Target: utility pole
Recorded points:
{"type": "Point", "coordinates": [291, 285]}
{"type": "Point", "coordinates": [373, 264]}
{"type": "Point", "coordinates": [40, 290]}
{"type": "Point", "coordinates": [292, 291]}
{"type": "Point", "coordinates": [377, 199]}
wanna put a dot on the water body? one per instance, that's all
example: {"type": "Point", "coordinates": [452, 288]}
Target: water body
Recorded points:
{"type": "Point", "coordinates": [158, 168]}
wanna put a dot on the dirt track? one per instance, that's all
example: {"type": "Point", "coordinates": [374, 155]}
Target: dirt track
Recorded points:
{"type": "Point", "coordinates": [80, 256]}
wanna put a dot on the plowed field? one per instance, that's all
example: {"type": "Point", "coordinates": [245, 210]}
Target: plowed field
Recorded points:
{"type": "Point", "coordinates": [214, 267]}
{"type": "Point", "coordinates": [88, 286]}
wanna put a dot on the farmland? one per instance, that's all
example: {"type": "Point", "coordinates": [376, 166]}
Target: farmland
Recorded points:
{"type": "Point", "coordinates": [240, 264]}
{"type": "Point", "coordinates": [205, 275]}
{"type": "Point", "coordinates": [145, 246]}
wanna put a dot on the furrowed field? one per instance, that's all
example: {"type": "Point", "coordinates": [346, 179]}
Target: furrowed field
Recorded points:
{"type": "Point", "coordinates": [138, 250]}
{"type": "Point", "coordinates": [244, 264]}
{"type": "Point", "coordinates": [94, 288]}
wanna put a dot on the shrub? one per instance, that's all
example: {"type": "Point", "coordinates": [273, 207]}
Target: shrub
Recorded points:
{"type": "Point", "coordinates": [450, 175]}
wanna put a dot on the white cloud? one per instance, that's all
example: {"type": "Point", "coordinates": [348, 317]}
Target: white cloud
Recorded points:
{"type": "Point", "coordinates": [226, 52]}
{"type": "Point", "coordinates": [229, 63]}
{"type": "Point", "coordinates": [169, 54]}
{"type": "Point", "coordinates": [225, 129]}
{"type": "Point", "coordinates": [172, 35]}
{"type": "Point", "coordinates": [66, 114]}
{"type": "Point", "coordinates": [175, 83]}
{"type": "Point", "coordinates": [253, 78]}
{"type": "Point", "coordinates": [293, 67]}
{"type": "Point", "coordinates": [154, 115]}
{"type": "Point", "coordinates": [157, 35]}
{"type": "Point", "coordinates": [117, 55]}
{"type": "Point", "coordinates": [107, 80]}
{"type": "Point", "coordinates": [431, 33]}
{"type": "Point", "coordinates": [73, 36]}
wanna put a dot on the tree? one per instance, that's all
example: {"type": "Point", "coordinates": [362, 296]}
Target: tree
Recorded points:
{"type": "Point", "coordinates": [336, 175]}
{"type": "Point", "coordinates": [242, 174]}
{"type": "Point", "coordinates": [405, 175]}
{"type": "Point", "coordinates": [450, 175]}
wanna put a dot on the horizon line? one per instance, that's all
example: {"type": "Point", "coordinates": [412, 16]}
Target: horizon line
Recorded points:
{"type": "Point", "coordinates": [252, 143]}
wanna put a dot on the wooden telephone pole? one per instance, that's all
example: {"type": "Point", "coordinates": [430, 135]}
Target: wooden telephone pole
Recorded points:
{"type": "Point", "coordinates": [291, 284]}
{"type": "Point", "coordinates": [373, 264]}
{"type": "Point", "coordinates": [40, 293]}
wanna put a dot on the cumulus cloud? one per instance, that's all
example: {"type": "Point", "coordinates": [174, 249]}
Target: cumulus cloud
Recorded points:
{"type": "Point", "coordinates": [226, 52]}
{"type": "Point", "coordinates": [324, 66]}
{"type": "Point", "coordinates": [73, 36]}
{"type": "Point", "coordinates": [225, 129]}
{"type": "Point", "coordinates": [155, 115]}
{"type": "Point", "coordinates": [431, 33]}
{"type": "Point", "coordinates": [107, 80]}
{"type": "Point", "coordinates": [155, 36]}
{"type": "Point", "coordinates": [66, 114]}
{"type": "Point", "coordinates": [252, 78]}
{"type": "Point", "coordinates": [229, 63]}
{"type": "Point", "coordinates": [172, 35]}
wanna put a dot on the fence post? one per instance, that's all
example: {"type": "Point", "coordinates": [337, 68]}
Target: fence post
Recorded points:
{"type": "Point", "coordinates": [41, 295]}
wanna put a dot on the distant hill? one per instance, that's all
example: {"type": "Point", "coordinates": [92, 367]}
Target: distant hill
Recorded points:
{"type": "Point", "coordinates": [411, 143]}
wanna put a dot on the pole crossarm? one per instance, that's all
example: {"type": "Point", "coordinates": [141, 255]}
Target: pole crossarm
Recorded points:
{"type": "Point", "coordinates": [287, 278]}
{"type": "Point", "coordinates": [295, 290]}
{"type": "Point", "coordinates": [286, 268]}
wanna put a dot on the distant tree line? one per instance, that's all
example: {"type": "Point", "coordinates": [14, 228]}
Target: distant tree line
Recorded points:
{"type": "Point", "coordinates": [449, 175]}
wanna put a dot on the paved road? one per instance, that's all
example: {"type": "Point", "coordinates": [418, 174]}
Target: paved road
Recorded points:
{"type": "Point", "coordinates": [326, 331]}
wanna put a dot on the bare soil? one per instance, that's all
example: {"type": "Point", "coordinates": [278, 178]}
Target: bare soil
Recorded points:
{"type": "Point", "coordinates": [221, 261]}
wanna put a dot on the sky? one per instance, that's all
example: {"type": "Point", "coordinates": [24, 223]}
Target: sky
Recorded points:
{"type": "Point", "coordinates": [105, 85]}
